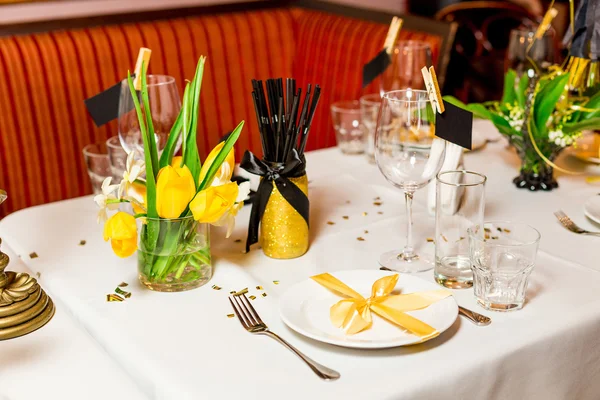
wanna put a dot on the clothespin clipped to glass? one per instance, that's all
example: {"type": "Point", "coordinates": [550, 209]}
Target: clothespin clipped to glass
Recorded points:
{"type": "Point", "coordinates": [143, 58]}
{"type": "Point", "coordinates": [382, 60]}
{"type": "Point", "coordinates": [433, 89]}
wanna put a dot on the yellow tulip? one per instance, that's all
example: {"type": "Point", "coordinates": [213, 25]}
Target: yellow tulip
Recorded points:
{"type": "Point", "coordinates": [122, 232]}
{"type": "Point", "coordinates": [137, 192]}
{"type": "Point", "coordinates": [224, 173]}
{"type": "Point", "coordinates": [212, 203]}
{"type": "Point", "coordinates": [174, 189]}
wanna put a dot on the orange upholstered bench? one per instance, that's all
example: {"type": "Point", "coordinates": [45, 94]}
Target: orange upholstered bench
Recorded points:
{"type": "Point", "coordinates": [45, 76]}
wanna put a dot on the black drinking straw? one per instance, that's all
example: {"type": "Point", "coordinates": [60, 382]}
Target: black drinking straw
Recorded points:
{"type": "Point", "coordinates": [311, 114]}
{"type": "Point", "coordinates": [278, 135]}
{"type": "Point", "coordinates": [302, 116]}
{"type": "Point", "coordinates": [291, 126]}
{"type": "Point", "coordinates": [260, 125]}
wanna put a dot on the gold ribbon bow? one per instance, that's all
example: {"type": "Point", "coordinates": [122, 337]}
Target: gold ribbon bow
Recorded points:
{"type": "Point", "coordinates": [353, 314]}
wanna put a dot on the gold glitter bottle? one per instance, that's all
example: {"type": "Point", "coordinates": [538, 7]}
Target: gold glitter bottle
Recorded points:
{"type": "Point", "coordinates": [283, 231]}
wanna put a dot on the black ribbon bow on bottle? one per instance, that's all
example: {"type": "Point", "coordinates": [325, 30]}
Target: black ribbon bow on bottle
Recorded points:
{"type": "Point", "coordinates": [274, 174]}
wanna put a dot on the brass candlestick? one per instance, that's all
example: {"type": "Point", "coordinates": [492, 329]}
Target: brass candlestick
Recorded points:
{"type": "Point", "coordinates": [24, 306]}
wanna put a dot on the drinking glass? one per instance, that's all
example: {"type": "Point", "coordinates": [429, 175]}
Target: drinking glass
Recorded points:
{"type": "Point", "coordinates": [502, 257]}
{"type": "Point", "coordinates": [460, 201]}
{"type": "Point", "coordinates": [407, 59]}
{"type": "Point", "coordinates": [165, 104]}
{"type": "Point", "coordinates": [543, 51]}
{"type": "Point", "coordinates": [409, 157]}
{"type": "Point", "coordinates": [346, 121]}
{"type": "Point", "coordinates": [98, 164]}
{"type": "Point", "coordinates": [117, 157]}
{"type": "Point", "coordinates": [369, 110]}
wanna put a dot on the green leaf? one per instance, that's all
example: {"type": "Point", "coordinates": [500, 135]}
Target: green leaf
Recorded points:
{"type": "Point", "coordinates": [521, 93]}
{"type": "Point", "coordinates": [546, 99]}
{"type": "Point", "coordinates": [594, 104]}
{"type": "Point", "coordinates": [478, 110]}
{"type": "Point", "coordinates": [167, 155]}
{"type": "Point", "coordinates": [191, 158]}
{"type": "Point", "coordinates": [150, 177]}
{"type": "Point", "coordinates": [591, 123]}
{"type": "Point", "coordinates": [150, 143]}
{"type": "Point", "coordinates": [508, 96]}
{"type": "Point", "coordinates": [214, 167]}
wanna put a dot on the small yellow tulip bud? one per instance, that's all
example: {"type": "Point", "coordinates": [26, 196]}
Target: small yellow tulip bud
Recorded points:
{"type": "Point", "coordinates": [212, 203]}
{"type": "Point", "coordinates": [121, 230]}
{"type": "Point", "coordinates": [224, 173]}
{"type": "Point", "coordinates": [174, 189]}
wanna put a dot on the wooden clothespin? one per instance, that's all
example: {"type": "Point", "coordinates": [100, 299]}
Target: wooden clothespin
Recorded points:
{"type": "Point", "coordinates": [433, 89]}
{"type": "Point", "coordinates": [545, 24]}
{"type": "Point", "coordinates": [392, 35]}
{"type": "Point", "coordinates": [143, 58]}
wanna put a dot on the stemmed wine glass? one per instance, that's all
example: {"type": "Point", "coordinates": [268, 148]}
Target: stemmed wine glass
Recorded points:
{"type": "Point", "coordinates": [409, 156]}
{"type": "Point", "coordinates": [408, 57]}
{"type": "Point", "coordinates": [164, 107]}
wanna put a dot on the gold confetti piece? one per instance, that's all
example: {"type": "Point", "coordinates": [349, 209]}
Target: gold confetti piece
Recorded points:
{"type": "Point", "coordinates": [380, 212]}
{"type": "Point", "coordinates": [460, 238]}
{"type": "Point", "coordinates": [365, 214]}
{"type": "Point", "coordinates": [264, 295]}
{"type": "Point", "coordinates": [445, 239]}
{"type": "Point", "coordinates": [113, 297]}
{"type": "Point", "coordinates": [259, 288]}
{"type": "Point", "coordinates": [237, 241]}
{"type": "Point", "coordinates": [82, 242]}
{"type": "Point", "coordinates": [366, 232]}
{"type": "Point", "coordinates": [377, 198]}
{"type": "Point", "coordinates": [347, 201]}
{"type": "Point", "coordinates": [123, 293]}
{"type": "Point", "coordinates": [232, 292]}
{"type": "Point", "coordinates": [252, 297]}
{"type": "Point", "coordinates": [230, 315]}
{"type": "Point", "coordinates": [345, 217]}
{"type": "Point", "coordinates": [377, 203]}
{"type": "Point", "coordinates": [123, 284]}
{"type": "Point", "coordinates": [429, 240]}
{"type": "Point", "coordinates": [487, 230]}
{"type": "Point", "coordinates": [216, 287]}
{"type": "Point", "coordinates": [506, 230]}
{"type": "Point", "coordinates": [330, 223]}
{"type": "Point", "coordinates": [487, 236]}
{"type": "Point", "coordinates": [241, 292]}
{"type": "Point", "coordinates": [38, 274]}
{"type": "Point", "coordinates": [494, 237]}
{"type": "Point", "coordinates": [33, 255]}
{"type": "Point", "coordinates": [499, 229]}
{"type": "Point", "coordinates": [360, 239]}
{"type": "Point", "coordinates": [276, 282]}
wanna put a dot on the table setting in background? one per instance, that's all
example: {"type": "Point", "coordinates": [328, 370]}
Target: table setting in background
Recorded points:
{"type": "Point", "coordinates": [190, 274]}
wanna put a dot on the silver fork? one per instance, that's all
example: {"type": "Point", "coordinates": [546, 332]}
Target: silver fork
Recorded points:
{"type": "Point", "coordinates": [251, 321]}
{"type": "Point", "coordinates": [570, 225]}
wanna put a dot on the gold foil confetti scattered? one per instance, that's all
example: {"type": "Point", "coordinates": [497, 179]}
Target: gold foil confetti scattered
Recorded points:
{"type": "Point", "coordinates": [445, 239]}
{"type": "Point", "coordinates": [499, 229]}
{"type": "Point", "coordinates": [487, 230]}
{"type": "Point", "coordinates": [506, 230]}
{"type": "Point", "coordinates": [230, 315]}
{"type": "Point", "coordinates": [347, 201]}
{"type": "Point", "coordinates": [460, 238]}
{"type": "Point", "coordinates": [377, 198]}
{"type": "Point", "coordinates": [259, 288]}
{"type": "Point", "coordinates": [494, 237]}
{"type": "Point", "coordinates": [216, 287]}
{"type": "Point", "coordinates": [264, 295]}
{"type": "Point", "coordinates": [360, 239]}
{"type": "Point", "coordinates": [365, 214]}
{"type": "Point", "coordinates": [276, 282]}
{"type": "Point", "coordinates": [380, 212]}
{"type": "Point", "coordinates": [38, 274]}
{"type": "Point", "coordinates": [252, 297]}
{"type": "Point", "coordinates": [487, 236]}
{"type": "Point", "coordinates": [123, 284]}
{"type": "Point", "coordinates": [346, 217]}
{"type": "Point", "coordinates": [82, 242]}
{"type": "Point", "coordinates": [429, 240]}
{"type": "Point", "coordinates": [330, 223]}
{"type": "Point", "coordinates": [33, 255]}
{"type": "Point", "coordinates": [366, 232]}
{"type": "Point", "coordinates": [377, 203]}
{"type": "Point", "coordinates": [232, 292]}
{"type": "Point", "coordinates": [241, 292]}
{"type": "Point", "coordinates": [123, 293]}
{"type": "Point", "coordinates": [113, 297]}
{"type": "Point", "coordinates": [237, 241]}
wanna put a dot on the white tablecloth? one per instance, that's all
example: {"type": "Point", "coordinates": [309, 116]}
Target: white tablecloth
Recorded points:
{"type": "Point", "coordinates": [182, 345]}
{"type": "Point", "coordinates": [59, 361]}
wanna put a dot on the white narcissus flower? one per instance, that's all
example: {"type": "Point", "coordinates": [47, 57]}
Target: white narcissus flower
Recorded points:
{"type": "Point", "coordinates": [229, 217]}
{"type": "Point", "coordinates": [132, 172]}
{"type": "Point", "coordinates": [102, 199]}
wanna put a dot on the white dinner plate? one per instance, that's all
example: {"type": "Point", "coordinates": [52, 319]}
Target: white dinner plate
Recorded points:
{"type": "Point", "coordinates": [591, 208]}
{"type": "Point", "coordinates": [305, 309]}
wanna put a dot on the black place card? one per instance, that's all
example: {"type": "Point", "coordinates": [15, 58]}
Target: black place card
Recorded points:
{"type": "Point", "coordinates": [104, 107]}
{"type": "Point", "coordinates": [375, 67]}
{"type": "Point", "coordinates": [455, 125]}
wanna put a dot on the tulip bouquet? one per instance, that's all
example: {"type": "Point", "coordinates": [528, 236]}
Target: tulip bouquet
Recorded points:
{"type": "Point", "coordinates": [177, 200]}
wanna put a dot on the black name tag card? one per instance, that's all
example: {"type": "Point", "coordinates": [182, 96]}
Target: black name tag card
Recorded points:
{"type": "Point", "coordinates": [455, 125]}
{"type": "Point", "coordinates": [104, 107]}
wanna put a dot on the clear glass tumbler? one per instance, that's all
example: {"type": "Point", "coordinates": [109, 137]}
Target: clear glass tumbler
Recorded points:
{"type": "Point", "coordinates": [98, 164]}
{"type": "Point", "coordinates": [460, 201]}
{"type": "Point", "coordinates": [408, 57]}
{"type": "Point", "coordinates": [346, 121]}
{"type": "Point", "coordinates": [502, 257]}
{"type": "Point", "coordinates": [118, 158]}
{"type": "Point", "coordinates": [369, 110]}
